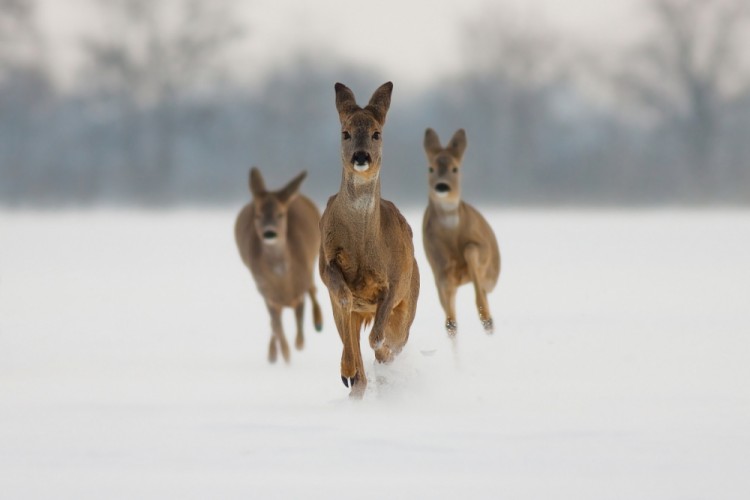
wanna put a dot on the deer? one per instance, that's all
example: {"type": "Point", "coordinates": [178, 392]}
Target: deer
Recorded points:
{"type": "Point", "coordinates": [460, 245]}
{"type": "Point", "coordinates": [278, 240]}
{"type": "Point", "coordinates": [366, 257]}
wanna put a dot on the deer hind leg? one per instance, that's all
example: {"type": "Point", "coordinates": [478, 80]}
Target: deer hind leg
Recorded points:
{"type": "Point", "coordinates": [299, 314]}
{"type": "Point", "coordinates": [317, 315]}
{"type": "Point", "coordinates": [278, 332]}
{"type": "Point", "coordinates": [471, 254]}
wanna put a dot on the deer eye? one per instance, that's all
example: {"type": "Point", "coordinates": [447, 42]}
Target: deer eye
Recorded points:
{"type": "Point", "coordinates": [432, 170]}
{"type": "Point", "coordinates": [346, 135]}
{"type": "Point", "coordinates": [455, 170]}
{"type": "Point", "coordinates": [376, 136]}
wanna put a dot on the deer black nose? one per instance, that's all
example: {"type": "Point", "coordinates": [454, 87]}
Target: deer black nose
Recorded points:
{"type": "Point", "coordinates": [269, 234]}
{"type": "Point", "coordinates": [442, 187]}
{"type": "Point", "coordinates": [361, 158]}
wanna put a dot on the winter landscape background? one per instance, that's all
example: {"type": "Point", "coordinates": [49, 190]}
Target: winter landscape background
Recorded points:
{"type": "Point", "coordinates": [607, 147]}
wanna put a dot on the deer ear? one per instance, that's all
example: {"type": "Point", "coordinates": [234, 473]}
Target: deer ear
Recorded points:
{"type": "Point", "coordinates": [257, 186]}
{"type": "Point", "coordinates": [457, 145]}
{"type": "Point", "coordinates": [291, 190]}
{"type": "Point", "coordinates": [345, 102]}
{"type": "Point", "coordinates": [431, 143]}
{"type": "Point", "coordinates": [381, 101]}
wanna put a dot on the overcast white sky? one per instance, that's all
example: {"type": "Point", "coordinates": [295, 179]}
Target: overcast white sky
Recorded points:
{"type": "Point", "coordinates": [415, 41]}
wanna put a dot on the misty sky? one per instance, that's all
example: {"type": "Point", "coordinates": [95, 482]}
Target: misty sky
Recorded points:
{"type": "Point", "coordinates": [410, 41]}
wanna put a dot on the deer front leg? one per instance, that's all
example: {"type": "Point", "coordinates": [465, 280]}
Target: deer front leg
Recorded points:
{"type": "Point", "coordinates": [382, 312]}
{"type": "Point", "coordinates": [352, 372]}
{"type": "Point", "coordinates": [338, 291]}
{"type": "Point", "coordinates": [272, 352]}
{"type": "Point", "coordinates": [471, 254]}
{"type": "Point", "coordinates": [343, 320]}
{"type": "Point", "coordinates": [278, 331]}
{"type": "Point", "coordinates": [317, 315]}
{"type": "Point", "coordinates": [396, 333]}
{"type": "Point", "coordinates": [359, 380]}
{"type": "Point", "coordinates": [447, 291]}
{"type": "Point", "coordinates": [352, 367]}
{"type": "Point", "coordinates": [333, 278]}
{"type": "Point", "coordinates": [299, 314]}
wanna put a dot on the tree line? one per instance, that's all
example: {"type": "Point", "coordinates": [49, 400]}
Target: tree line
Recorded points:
{"type": "Point", "coordinates": [155, 118]}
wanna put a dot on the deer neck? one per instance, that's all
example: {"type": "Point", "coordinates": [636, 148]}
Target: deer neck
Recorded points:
{"type": "Point", "coordinates": [362, 195]}
{"type": "Point", "coordinates": [447, 212]}
{"type": "Point", "coordinates": [277, 257]}
{"type": "Point", "coordinates": [361, 201]}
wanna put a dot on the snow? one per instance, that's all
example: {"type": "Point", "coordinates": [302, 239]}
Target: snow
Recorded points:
{"type": "Point", "coordinates": [133, 365]}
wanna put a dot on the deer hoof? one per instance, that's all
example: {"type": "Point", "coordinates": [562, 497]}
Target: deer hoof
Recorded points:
{"type": "Point", "coordinates": [451, 327]}
{"type": "Point", "coordinates": [358, 388]}
{"type": "Point", "coordinates": [384, 355]}
{"type": "Point", "coordinates": [350, 381]}
{"type": "Point", "coordinates": [318, 327]}
{"type": "Point", "coordinates": [376, 340]}
{"type": "Point", "coordinates": [489, 326]}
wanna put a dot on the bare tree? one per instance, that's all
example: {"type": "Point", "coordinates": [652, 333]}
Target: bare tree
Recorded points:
{"type": "Point", "coordinates": [152, 54]}
{"type": "Point", "coordinates": [685, 68]}
{"type": "Point", "coordinates": [514, 67]}
{"type": "Point", "coordinates": [25, 93]}
{"type": "Point", "coordinates": [20, 40]}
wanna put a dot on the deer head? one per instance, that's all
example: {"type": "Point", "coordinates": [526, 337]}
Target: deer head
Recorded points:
{"type": "Point", "coordinates": [271, 207]}
{"type": "Point", "coordinates": [362, 129]}
{"type": "Point", "coordinates": [444, 171]}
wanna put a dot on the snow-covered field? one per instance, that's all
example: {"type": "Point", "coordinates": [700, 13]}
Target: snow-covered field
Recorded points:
{"type": "Point", "coordinates": [133, 365]}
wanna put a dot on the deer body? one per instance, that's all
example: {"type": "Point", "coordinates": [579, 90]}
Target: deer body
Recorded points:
{"type": "Point", "coordinates": [460, 245]}
{"type": "Point", "coordinates": [366, 255]}
{"type": "Point", "coordinates": [278, 239]}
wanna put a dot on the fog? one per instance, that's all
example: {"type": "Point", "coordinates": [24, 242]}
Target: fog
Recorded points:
{"type": "Point", "coordinates": [169, 103]}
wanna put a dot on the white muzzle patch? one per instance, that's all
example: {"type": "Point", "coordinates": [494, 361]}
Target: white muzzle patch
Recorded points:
{"type": "Point", "coordinates": [361, 168]}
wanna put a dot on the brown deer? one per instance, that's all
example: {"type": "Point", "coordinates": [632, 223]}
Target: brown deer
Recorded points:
{"type": "Point", "coordinates": [458, 241]}
{"type": "Point", "coordinates": [366, 254]}
{"type": "Point", "coordinates": [278, 239]}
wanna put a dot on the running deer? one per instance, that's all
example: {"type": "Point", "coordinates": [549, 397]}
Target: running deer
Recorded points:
{"type": "Point", "coordinates": [278, 239]}
{"type": "Point", "coordinates": [366, 255]}
{"type": "Point", "coordinates": [458, 241]}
